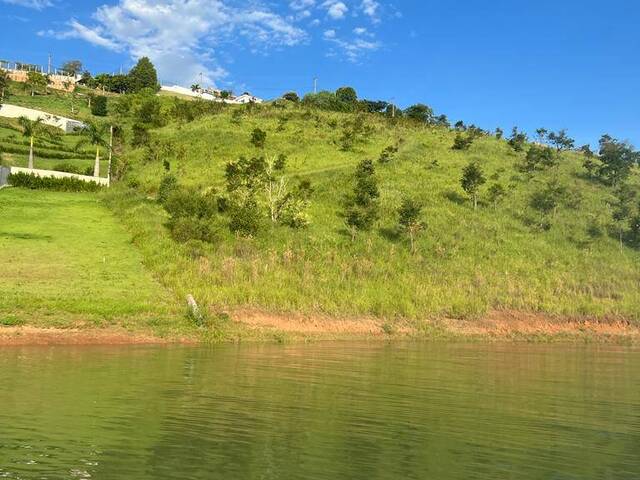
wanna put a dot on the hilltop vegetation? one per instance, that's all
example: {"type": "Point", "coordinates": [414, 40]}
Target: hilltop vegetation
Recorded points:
{"type": "Point", "coordinates": [335, 206]}
{"type": "Point", "coordinates": [396, 217]}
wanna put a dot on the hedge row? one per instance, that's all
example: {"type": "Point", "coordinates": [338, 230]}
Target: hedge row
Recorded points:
{"type": "Point", "coordinates": [69, 184]}
{"type": "Point", "coordinates": [43, 153]}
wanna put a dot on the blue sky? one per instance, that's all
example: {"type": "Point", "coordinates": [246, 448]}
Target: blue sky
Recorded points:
{"type": "Point", "coordinates": [571, 64]}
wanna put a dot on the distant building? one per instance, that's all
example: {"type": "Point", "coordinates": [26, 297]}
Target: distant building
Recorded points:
{"type": "Point", "coordinates": [247, 98]}
{"type": "Point", "coordinates": [213, 95]}
{"type": "Point", "coordinates": [18, 72]}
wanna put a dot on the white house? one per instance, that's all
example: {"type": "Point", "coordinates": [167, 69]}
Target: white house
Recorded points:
{"type": "Point", "coordinates": [212, 95]}
{"type": "Point", "coordinates": [247, 98]}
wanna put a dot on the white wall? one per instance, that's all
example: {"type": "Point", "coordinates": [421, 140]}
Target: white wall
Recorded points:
{"type": "Point", "coordinates": [68, 125]}
{"type": "Point", "coordinates": [54, 174]}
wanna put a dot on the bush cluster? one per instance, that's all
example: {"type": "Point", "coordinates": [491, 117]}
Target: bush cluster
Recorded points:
{"type": "Point", "coordinates": [33, 182]}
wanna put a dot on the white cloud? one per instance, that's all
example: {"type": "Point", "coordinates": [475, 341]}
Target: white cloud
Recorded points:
{"type": "Point", "coordinates": [370, 7]}
{"type": "Point", "coordinates": [179, 35]}
{"type": "Point", "coordinates": [360, 31]}
{"type": "Point", "coordinates": [36, 4]}
{"type": "Point", "coordinates": [352, 49]}
{"type": "Point", "coordinates": [301, 4]}
{"type": "Point", "coordinates": [335, 9]}
{"type": "Point", "coordinates": [330, 34]}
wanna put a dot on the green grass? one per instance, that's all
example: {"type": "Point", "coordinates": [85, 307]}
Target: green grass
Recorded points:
{"type": "Point", "coordinates": [467, 263]}
{"type": "Point", "coordinates": [67, 262]}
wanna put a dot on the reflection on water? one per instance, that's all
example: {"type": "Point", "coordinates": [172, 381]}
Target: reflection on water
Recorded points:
{"type": "Point", "coordinates": [334, 411]}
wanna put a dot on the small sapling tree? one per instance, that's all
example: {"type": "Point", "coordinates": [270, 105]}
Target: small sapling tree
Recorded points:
{"type": "Point", "coordinates": [361, 206]}
{"type": "Point", "coordinates": [409, 220]}
{"type": "Point", "coordinates": [258, 138]}
{"type": "Point", "coordinates": [471, 181]}
{"type": "Point", "coordinates": [496, 194]}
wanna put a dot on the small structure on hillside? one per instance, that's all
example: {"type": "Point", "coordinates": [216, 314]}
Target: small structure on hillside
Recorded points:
{"type": "Point", "coordinates": [58, 80]}
{"type": "Point", "coordinates": [212, 95]}
{"type": "Point", "coordinates": [68, 125]}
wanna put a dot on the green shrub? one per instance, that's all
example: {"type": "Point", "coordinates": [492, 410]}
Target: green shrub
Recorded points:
{"type": "Point", "coordinates": [168, 185]}
{"type": "Point", "coordinates": [68, 167]}
{"type": "Point", "coordinates": [99, 106]}
{"type": "Point", "coordinates": [49, 183]}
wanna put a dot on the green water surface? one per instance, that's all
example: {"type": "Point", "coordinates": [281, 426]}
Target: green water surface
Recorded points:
{"type": "Point", "coordinates": [322, 411]}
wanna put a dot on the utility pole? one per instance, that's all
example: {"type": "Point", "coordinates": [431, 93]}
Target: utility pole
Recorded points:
{"type": "Point", "coordinates": [201, 80]}
{"type": "Point", "coordinates": [393, 107]}
{"type": "Point", "coordinates": [110, 153]}
{"type": "Point", "coordinates": [315, 85]}
{"type": "Point", "coordinates": [49, 66]}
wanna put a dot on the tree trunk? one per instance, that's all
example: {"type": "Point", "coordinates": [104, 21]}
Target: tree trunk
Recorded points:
{"type": "Point", "coordinates": [475, 201]}
{"type": "Point", "coordinates": [31, 154]}
{"type": "Point", "coordinates": [96, 167]}
{"type": "Point", "coordinates": [413, 248]}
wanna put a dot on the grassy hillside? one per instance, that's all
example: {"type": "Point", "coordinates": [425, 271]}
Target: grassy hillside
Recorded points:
{"type": "Point", "coordinates": [467, 262]}
{"type": "Point", "coordinates": [67, 262]}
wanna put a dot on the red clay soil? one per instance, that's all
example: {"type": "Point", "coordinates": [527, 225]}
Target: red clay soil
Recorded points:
{"type": "Point", "coordinates": [499, 325]}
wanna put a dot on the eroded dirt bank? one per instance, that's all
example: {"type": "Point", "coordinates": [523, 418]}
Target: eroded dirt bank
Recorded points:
{"type": "Point", "coordinates": [253, 325]}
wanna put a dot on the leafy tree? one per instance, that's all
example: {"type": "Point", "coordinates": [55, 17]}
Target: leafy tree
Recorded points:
{"type": "Point", "coordinates": [420, 112]}
{"type": "Point", "coordinates": [354, 133]}
{"type": "Point", "coordinates": [31, 129]}
{"type": "Point", "coordinates": [87, 80]}
{"type": "Point", "coordinates": [462, 142]}
{"type": "Point", "coordinates": [374, 106]}
{"type": "Point", "coordinates": [4, 83]}
{"type": "Point", "coordinates": [149, 111]}
{"type": "Point", "coordinates": [517, 140]}
{"type": "Point", "coordinates": [291, 96]}
{"type": "Point", "coordinates": [409, 220]}
{"type": "Point", "coordinates": [499, 133]}
{"type": "Point", "coordinates": [143, 75]}
{"type": "Point", "coordinates": [548, 199]}
{"type": "Point", "coordinates": [561, 140]}
{"type": "Point", "coordinates": [361, 206]}
{"type": "Point", "coordinates": [586, 151]}
{"type": "Point", "coordinates": [616, 158]}
{"type": "Point", "coordinates": [258, 138]}
{"type": "Point", "coordinates": [256, 185]}
{"type": "Point", "coordinates": [95, 134]}
{"type": "Point", "coordinates": [72, 67]}
{"type": "Point", "coordinates": [99, 106]}
{"type": "Point", "coordinates": [347, 95]}
{"type": "Point", "coordinates": [539, 157]}
{"type": "Point", "coordinates": [622, 208]}
{"type": "Point", "coordinates": [442, 121]}
{"type": "Point", "coordinates": [496, 194]}
{"type": "Point", "coordinates": [471, 181]}
{"type": "Point", "coordinates": [36, 82]}
{"type": "Point", "coordinates": [542, 134]}
{"type": "Point", "coordinates": [459, 126]}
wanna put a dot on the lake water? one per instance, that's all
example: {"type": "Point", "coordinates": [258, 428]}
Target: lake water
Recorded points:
{"type": "Point", "coordinates": [321, 411]}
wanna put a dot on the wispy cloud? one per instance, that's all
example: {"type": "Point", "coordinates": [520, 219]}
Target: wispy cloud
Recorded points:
{"type": "Point", "coordinates": [181, 36]}
{"type": "Point", "coordinates": [35, 4]}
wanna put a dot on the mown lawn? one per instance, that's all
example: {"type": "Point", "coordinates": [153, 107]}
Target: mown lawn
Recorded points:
{"type": "Point", "coordinates": [67, 262]}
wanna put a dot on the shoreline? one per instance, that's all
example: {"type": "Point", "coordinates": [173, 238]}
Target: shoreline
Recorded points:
{"type": "Point", "coordinates": [265, 327]}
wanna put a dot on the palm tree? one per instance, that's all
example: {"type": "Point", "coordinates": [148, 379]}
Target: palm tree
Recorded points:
{"type": "Point", "coordinates": [195, 87]}
{"type": "Point", "coordinates": [30, 129]}
{"type": "Point", "coordinates": [94, 134]}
